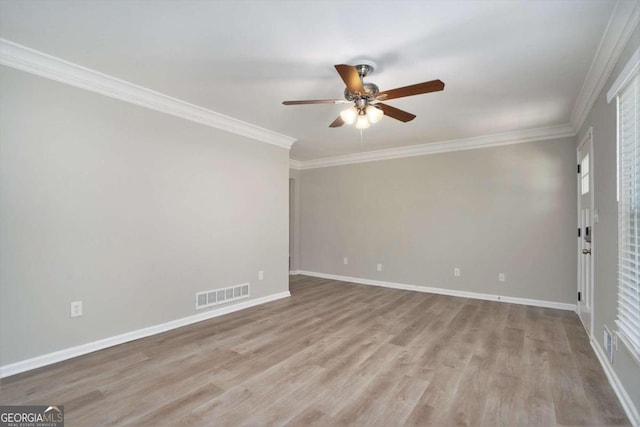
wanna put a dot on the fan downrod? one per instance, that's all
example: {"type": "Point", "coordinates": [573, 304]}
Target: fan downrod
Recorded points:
{"type": "Point", "coordinates": [364, 68]}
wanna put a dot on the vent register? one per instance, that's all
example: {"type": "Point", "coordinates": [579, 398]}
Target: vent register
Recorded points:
{"type": "Point", "coordinates": [221, 296]}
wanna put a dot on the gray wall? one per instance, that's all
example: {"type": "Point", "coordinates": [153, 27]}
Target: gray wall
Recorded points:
{"type": "Point", "coordinates": [602, 118]}
{"type": "Point", "coordinates": [509, 209]}
{"type": "Point", "coordinates": [127, 209]}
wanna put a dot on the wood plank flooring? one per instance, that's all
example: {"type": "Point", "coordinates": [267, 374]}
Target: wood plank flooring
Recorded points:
{"type": "Point", "coordinates": [341, 354]}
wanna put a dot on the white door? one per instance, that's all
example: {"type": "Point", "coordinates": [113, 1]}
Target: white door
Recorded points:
{"type": "Point", "coordinates": [585, 232]}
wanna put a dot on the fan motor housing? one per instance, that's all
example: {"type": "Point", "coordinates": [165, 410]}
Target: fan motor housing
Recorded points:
{"type": "Point", "coordinates": [364, 68]}
{"type": "Point", "coordinates": [371, 90]}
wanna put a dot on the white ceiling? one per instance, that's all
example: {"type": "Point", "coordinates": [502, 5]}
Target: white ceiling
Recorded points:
{"type": "Point", "coordinates": [507, 65]}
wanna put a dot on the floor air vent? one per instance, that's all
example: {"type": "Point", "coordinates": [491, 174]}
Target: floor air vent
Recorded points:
{"type": "Point", "coordinates": [608, 344]}
{"type": "Point", "coordinates": [221, 296]}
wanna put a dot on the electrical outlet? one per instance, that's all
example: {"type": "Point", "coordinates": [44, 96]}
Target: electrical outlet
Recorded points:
{"type": "Point", "coordinates": [502, 277]}
{"type": "Point", "coordinates": [345, 260]}
{"type": "Point", "coordinates": [76, 309]}
{"type": "Point", "coordinates": [456, 272]}
{"type": "Point", "coordinates": [260, 275]}
{"type": "Point", "coordinates": [379, 267]}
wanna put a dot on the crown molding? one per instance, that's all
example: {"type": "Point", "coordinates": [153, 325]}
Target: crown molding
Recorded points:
{"type": "Point", "coordinates": [625, 75]}
{"type": "Point", "coordinates": [41, 64]}
{"type": "Point", "coordinates": [295, 164]}
{"type": "Point", "coordinates": [622, 23]}
{"type": "Point", "coordinates": [495, 140]}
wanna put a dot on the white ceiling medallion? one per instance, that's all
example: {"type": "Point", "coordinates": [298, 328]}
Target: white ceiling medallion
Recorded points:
{"type": "Point", "coordinates": [32, 61]}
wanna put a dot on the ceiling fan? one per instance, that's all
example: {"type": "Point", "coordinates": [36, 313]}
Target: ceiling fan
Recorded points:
{"type": "Point", "coordinates": [366, 97]}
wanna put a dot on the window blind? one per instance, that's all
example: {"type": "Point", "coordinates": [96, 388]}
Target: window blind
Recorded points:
{"type": "Point", "coordinates": [629, 213]}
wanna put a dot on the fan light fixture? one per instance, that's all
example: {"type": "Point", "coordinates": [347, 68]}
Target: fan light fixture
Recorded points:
{"type": "Point", "coordinates": [362, 117]}
{"type": "Point", "coordinates": [349, 115]}
{"type": "Point", "coordinates": [362, 122]}
{"type": "Point", "coordinates": [374, 114]}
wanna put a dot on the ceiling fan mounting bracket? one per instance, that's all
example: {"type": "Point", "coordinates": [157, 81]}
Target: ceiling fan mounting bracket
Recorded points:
{"type": "Point", "coordinates": [365, 67]}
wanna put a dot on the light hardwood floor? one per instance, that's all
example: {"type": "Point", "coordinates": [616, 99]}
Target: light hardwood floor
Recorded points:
{"type": "Point", "coordinates": [341, 354]}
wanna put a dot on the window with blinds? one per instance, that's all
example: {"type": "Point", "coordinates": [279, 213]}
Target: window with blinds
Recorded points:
{"type": "Point", "coordinates": [629, 214]}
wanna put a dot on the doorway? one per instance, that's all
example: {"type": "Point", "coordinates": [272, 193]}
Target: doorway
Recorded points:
{"type": "Point", "coordinates": [292, 220]}
{"type": "Point", "coordinates": [585, 231]}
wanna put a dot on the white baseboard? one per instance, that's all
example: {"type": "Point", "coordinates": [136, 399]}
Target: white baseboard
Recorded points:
{"type": "Point", "coordinates": [294, 272]}
{"type": "Point", "coordinates": [441, 291]}
{"type": "Point", "coordinates": [68, 353]}
{"type": "Point", "coordinates": [618, 388]}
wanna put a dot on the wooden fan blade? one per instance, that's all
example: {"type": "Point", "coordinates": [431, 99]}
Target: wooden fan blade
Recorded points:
{"type": "Point", "coordinates": [417, 89]}
{"type": "Point", "coordinates": [351, 78]}
{"type": "Point", "coordinates": [396, 113]}
{"type": "Point", "coordinates": [337, 123]}
{"type": "Point", "coordinates": [317, 101]}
